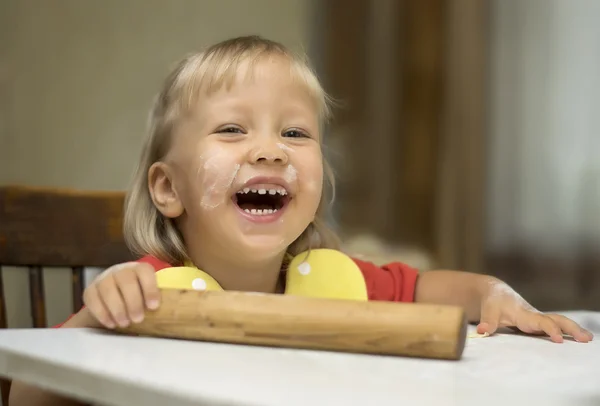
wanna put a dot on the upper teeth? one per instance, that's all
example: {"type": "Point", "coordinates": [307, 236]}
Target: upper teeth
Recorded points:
{"type": "Point", "coordinates": [281, 191]}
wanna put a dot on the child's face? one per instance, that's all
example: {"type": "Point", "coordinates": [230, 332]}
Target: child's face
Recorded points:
{"type": "Point", "coordinates": [247, 170]}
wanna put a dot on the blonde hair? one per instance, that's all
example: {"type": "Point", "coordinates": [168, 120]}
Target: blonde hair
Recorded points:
{"type": "Point", "coordinates": [146, 230]}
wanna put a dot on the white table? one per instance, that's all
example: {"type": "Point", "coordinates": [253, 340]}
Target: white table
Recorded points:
{"type": "Point", "coordinates": [506, 369]}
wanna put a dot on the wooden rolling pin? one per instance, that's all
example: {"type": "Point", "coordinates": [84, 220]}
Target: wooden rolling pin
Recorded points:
{"type": "Point", "coordinates": [404, 329]}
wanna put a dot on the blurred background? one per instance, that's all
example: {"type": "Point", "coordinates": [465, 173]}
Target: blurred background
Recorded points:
{"type": "Point", "coordinates": [467, 136]}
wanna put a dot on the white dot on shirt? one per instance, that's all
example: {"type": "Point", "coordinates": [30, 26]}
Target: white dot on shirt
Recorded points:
{"type": "Point", "coordinates": [304, 268]}
{"type": "Point", "coordinates": [199, 284]}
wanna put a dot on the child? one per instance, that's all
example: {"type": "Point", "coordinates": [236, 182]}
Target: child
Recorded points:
{"type": "Point", "coordinates": [232, 180]}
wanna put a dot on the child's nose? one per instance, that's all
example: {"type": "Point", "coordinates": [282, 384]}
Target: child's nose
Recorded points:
{"type": "Point", "coordinates": [268, 152]}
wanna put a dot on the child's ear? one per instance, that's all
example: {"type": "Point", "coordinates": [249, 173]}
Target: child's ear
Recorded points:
{"type": "Point", "coordinates": [162, 190]}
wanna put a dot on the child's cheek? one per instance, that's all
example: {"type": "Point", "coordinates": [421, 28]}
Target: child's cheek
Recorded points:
{"type": "Point", "coordinates": [310, 174]}
{"type": "Point", "coordinates": [217, 169]}
{"type": "Point", "coordinates": [305, 168]}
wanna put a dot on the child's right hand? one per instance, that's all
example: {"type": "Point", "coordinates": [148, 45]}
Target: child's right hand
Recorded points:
{"type": "Point", "coordinates": [120, 295]}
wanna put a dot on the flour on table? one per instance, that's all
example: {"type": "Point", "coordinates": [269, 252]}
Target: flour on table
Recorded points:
{"type": "Point", "coordinates": [477, 335]}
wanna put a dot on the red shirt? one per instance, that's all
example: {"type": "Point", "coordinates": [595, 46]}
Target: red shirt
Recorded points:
{"type": "Point", "coordinates": [394, 282]}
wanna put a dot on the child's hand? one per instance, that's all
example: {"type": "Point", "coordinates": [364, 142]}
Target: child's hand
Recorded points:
{"type": "Point", "coordinates": [503, 307]}
{"type": "Point", "coordinates": [120, 294]}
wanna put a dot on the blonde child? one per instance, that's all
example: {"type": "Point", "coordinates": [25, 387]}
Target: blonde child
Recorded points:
{"type": "Point", "coordinates": [232, 180]}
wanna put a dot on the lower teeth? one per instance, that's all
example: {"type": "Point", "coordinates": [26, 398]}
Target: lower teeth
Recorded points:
{"type": "Point", "coordinates": [260, 212]}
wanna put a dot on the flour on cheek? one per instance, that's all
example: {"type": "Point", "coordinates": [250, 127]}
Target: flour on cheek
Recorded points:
{"type": "Point", "coordinates": [290, 175]}
{"type": "Point", "coordinates": [218, 171]}
{"type": "Point", "coordinates": [284, 147]}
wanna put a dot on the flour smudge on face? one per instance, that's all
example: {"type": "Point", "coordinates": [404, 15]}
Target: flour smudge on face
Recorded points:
{"type": "Point", "coordinates": [290, 175]}
{"type": "Point", "coordinates": [284, 147]}
{"type": "Point", "coordinates": [218, 174]}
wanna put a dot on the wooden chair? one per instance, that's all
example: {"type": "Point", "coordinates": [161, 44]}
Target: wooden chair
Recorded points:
{"type": "Point", "coordinates": [41, 227]}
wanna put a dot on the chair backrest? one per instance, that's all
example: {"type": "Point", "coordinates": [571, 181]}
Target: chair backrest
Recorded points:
{"type": "Point", "coordinates": [43, 227]}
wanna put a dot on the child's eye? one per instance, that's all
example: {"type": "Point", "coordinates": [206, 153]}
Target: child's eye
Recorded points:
{"type": "Point", "coordinates": [295, 134]}
{"type": "Point", "coordinates": [230, 130]}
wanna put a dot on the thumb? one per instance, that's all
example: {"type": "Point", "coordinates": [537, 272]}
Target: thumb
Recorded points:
{"type": "Point", "coordinates": [490, 316]}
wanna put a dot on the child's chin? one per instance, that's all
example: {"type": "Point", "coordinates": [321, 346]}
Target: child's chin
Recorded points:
{"type": "Point", "coordinates": [264, 246]}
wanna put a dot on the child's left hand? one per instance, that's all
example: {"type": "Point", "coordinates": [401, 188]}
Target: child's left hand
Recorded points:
{"type": "Point", "coordinates": [503, 307]}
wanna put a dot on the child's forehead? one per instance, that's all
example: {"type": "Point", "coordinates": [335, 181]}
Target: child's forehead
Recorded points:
{"type": "Point", "coordinates": [226, 77]}
{"type": "Point", "coordinates": [265, 71]}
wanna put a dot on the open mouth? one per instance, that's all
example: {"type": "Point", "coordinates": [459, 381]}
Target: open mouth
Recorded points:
{"type": "Point", "coordinates": [261, 201]}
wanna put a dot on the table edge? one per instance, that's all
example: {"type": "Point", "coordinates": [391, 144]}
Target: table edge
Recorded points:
{"type": "Point", "coordinates": [80, 384]}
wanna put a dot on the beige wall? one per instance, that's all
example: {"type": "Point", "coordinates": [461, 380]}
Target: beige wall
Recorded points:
{"type": "Point", "coordinates": [76, 81]}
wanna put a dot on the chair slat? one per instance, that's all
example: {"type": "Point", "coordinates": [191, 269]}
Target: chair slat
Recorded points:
{"type": "Point", "coordinates": [77, 287]}
{"type": "Point", "coordinates": [3, 323]}
{"type": "Point", "coordinates": [36, 291]}
{"type": "Point", "coordinates": [4, 383]}
{"type": "Point", "coordinates": [5, 389]}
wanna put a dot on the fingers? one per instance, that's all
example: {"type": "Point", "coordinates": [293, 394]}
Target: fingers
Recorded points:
{"type": "Point", "coordinates": [110, 294]}
{"type": "Point", "coordinates": [138, 289]}
{"type": "Point", "coordinates": [490, 317]}
{"type": "Point", "coordinates": [548, 326]}
{"type": "Point", "coordinates": [132, 304]}
{"type": "Point", "coordinates": [569, 327]}
{"type": "Point", "coordinates": [534, 323]}
{"type": "Point", "coordinates": [555, 326]}
{"type": "Point", "coordinates": [147, 281]}
{"type": "Point", "coordinates": [122, 293]}
{"type": "Point", "coordinates": [93, 301]}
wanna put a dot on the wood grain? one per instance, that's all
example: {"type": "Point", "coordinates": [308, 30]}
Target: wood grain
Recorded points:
{"type": "Point", "coordinates": [61, 227]}
{"type": "Point", "coordinates": [404, 329]}
{"type": "Point", "coordinates": [4, 383]}
{"type": "Point", "coordinates": [3, 320]}
{"type": "Point", "coordinates": [421, 44]}
{"type": "Point", "coordinates": [36, 294]}
{"type": "Point", "coordinates": [77, 287]}
{"type": "Point", "coordinates": [5, 390]}
{"type": "Point", "coordinates": [390, 122]}
{"type": "Point", "coordinates": [460, 203]}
